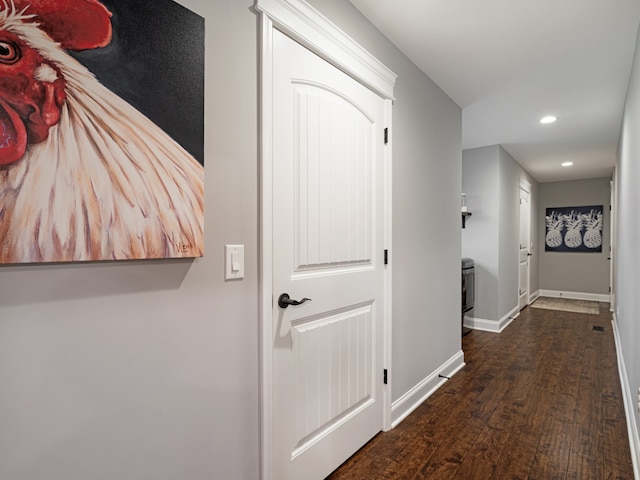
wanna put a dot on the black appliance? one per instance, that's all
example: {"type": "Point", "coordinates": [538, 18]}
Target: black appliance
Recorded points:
{"type": "Point", "coordinates": [468, 289]}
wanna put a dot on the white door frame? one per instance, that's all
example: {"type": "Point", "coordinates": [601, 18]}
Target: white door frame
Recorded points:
{"type": "Point", "coordinates": [526, 186]}
{"type": "Point", "coordinates": [612, 243]}
{"type": "Point", "coordinates": [311, 29]}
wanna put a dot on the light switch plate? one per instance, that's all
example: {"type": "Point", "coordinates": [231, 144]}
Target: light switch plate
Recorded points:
{"type": "Point", "coordinates": [233, 262]}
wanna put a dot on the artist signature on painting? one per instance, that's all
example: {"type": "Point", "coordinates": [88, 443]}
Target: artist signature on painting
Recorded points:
{"type": "Point", "coordinates": [183, 247]}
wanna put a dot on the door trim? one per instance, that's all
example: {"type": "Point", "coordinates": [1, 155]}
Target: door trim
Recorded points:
{"type": "Point", "coordinates": [525, 185]}
{"type": "Point", "coordinates": [311, 29]}
{"type": "Point", "coordinates": [612, 242]}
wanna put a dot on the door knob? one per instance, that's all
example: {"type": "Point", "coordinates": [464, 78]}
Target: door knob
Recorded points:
{"type": "Point", "coordinates": [285, 300]}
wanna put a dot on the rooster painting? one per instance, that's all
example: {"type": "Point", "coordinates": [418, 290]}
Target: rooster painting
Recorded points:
{"type": "Point", "coordinates": [83, 174]}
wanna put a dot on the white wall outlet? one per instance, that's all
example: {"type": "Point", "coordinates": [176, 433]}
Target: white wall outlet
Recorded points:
{"type": "Point", "coordinates": [233, 262]}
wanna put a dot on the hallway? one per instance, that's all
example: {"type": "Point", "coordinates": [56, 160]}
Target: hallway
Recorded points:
{"type": "Point", "coordinates": [541, 400]}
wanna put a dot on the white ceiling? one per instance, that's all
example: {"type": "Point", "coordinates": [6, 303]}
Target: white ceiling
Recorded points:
{"type": "Point", "coordinates": [507, 63]}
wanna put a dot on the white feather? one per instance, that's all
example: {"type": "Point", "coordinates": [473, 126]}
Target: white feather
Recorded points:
{"type": "Point", "coordinates": [106, 184]}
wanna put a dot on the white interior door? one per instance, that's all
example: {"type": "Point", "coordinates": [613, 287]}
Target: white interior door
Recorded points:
{"type": "Point", "coordinates": [525, 246]}
{"type": "Point", "coordinates": [328, 234]}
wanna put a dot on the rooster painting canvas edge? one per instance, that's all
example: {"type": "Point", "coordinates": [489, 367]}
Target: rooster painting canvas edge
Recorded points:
{"type": "Point", "coordinates": [106, 184]}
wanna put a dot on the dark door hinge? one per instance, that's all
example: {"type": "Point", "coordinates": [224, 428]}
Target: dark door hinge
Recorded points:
{"type": "Point", "coordinates": [386, 257]}
{"type": "Point", "coordinates": [386, 136]}
{"type": "Point", "coordinates": [384, 376]}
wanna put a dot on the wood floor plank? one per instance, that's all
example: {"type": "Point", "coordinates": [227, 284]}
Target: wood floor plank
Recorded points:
{"type": "Point", "coordinates": [542, 400]}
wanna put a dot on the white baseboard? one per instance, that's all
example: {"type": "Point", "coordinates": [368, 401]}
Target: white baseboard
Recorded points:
{"type": "Point", "coordinates": [629, 402]}
{"type": "Point", "coordinates": [595, 297]}
{"type": "Point", "coordinates": [495, 326]}
{"type": "Point", "coordinates": [533, 297]}
{"type": "Point", "coordinates": [407, 403]}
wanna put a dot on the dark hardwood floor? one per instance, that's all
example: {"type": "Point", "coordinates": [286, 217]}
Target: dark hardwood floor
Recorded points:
{"type": "Point", "coordinates": [541, 400]}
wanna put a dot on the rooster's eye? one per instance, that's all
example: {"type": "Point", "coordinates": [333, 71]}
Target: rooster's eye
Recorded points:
{"type": "Point", "coordinates": [9, 52]}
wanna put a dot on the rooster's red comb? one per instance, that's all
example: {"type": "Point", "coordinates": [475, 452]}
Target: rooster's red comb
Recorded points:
{"type": "Point", "coordinates": [75, 24]}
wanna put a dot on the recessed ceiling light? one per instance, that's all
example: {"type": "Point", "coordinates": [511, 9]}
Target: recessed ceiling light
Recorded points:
{"type": "Point", "coordinates": [567, 164]}
{"type": "Point", "coordinates": [548, 119]}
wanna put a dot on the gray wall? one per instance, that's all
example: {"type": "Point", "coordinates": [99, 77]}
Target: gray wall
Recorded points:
{"type": "Point", "coordinates": [490, 178]}
{"type": "Point", "coordinates": [480, 237]}
{"type": "Point", "coordinates": [139, 370]}
{"type": "Point", "coordinates": [627, 269]}
{"type": "Point", "coordinates": [575, 272]}
{"type": "Point", "coordinates": [509, 227]}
